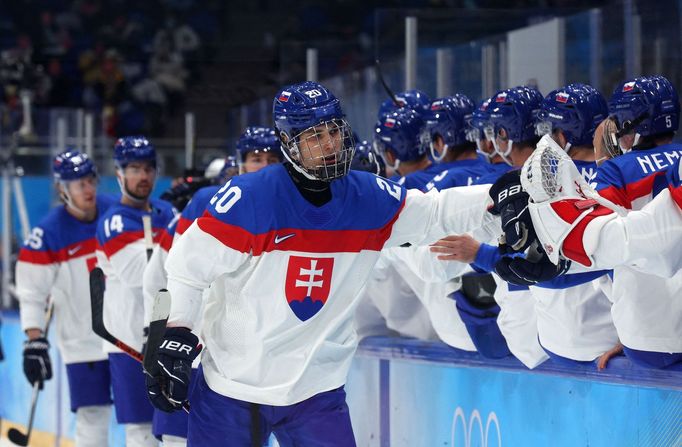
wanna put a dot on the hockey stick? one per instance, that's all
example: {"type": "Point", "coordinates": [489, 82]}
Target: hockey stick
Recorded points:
{"type": "Point", "coordinates": [148, 235]}
{"type": "Point", "coordinates": [13, 434]}
{"type": "Point", "coordinates": [97, 286]}
{"type": "Point", "coordinates": [388, 90]}
{"type": "Point", "coordinates": [157, 327]}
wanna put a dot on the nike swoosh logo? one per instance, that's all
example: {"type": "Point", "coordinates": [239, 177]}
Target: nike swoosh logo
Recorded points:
{"type": "Point", "coordinates": [279, 238]}
{"type": "Point", "coordinates": [72, 251]}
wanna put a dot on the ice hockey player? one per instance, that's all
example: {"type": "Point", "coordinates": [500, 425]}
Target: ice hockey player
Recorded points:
{"type": "Point", "coordinates": [121, 254]}
{"type": "Point", "coordinates": [55, 261]}
{"type": "Point", "coordinates": [278, 324]}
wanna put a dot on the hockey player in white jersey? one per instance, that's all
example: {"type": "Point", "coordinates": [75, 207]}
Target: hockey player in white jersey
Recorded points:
{"type": "Point", "coordinates": [285, 252]}
{"type": "Point", "coordinates": [121, 253]}
{"type": "Point", "coordinates": [257, 147]}
{"type": "Point", "coordinates": [55, 261]}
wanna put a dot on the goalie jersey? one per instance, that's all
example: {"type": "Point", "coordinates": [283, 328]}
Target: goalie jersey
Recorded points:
{"type": "Point", "coordinates": [285, 275]}
{"type": "Point", "coordinates": [56, 260]}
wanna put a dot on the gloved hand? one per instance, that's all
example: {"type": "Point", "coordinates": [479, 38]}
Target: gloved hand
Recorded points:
{"type": "Point", "coordinates": [523, 272]}
{"type": "Point", "coordinates": [168, 389]}
{"type": "Point", "coordinates": [182, 193]}
{"type": "Point", "coordinates": [37, 365]}
{"type": "Point", "coordinates": [510, 202]}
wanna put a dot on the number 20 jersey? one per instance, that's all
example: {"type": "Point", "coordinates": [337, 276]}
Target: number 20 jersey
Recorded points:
{"type": "Point", "coordinates": [285, 275]}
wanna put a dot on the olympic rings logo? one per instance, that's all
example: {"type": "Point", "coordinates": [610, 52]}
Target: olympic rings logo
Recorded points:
{"type": "Point", "coordinates": [468, 429]}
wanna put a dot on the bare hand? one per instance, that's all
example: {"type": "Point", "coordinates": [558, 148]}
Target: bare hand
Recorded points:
{"type": "Point", "coordinates": [462, 248]}
{"type": "Point", "coordinates": [608, 355]}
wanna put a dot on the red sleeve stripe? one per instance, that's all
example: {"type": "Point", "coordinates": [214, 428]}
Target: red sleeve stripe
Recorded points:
{"type": "Point", "coordinates": [115, 244]}
{"type": "Point", "coordinates": [165, 240]}
{"type": "Point", "coordinates": [72, 251]}
{"type": "Point", "coordinates": [624, 196]}
{"type": "Point", "coordinates": [289, 239]}
{"type": "Point", "coordinates": [182, 225]}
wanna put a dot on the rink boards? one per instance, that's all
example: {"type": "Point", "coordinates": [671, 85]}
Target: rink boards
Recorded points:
{"type": "Point", "coordinates": [411, 393]}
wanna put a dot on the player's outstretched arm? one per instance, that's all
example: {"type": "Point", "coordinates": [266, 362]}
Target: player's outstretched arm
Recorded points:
{"type": "Point", "coordinates": [425, 218]}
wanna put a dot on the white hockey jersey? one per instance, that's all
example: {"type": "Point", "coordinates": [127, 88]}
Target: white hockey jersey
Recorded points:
{"type": "Point", "coordinates": [285, 275]}
{"type": "Point", "coordinates": [122, 255]}
{"type": "Point", "coordinates": [56, 260]}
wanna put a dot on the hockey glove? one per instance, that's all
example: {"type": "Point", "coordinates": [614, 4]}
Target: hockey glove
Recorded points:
{"type": "Point", "coordinates": [168, 390]}
{"type": "Point", "coordinates": [510, 202]}
{"type": "Point", "coordinates": [523, 272]}
{"type": "Point", "coordinates": [37, 365]}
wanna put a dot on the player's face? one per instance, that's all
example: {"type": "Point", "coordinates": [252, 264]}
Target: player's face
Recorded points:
{"type": "Point", "coordinates": [320, 145]}
{"type": "Point", "coordinates": [83, 193]}
{"type": "Point", "coordinates": [256, 161]}
{"type": "Point", "coordinates": [138, 178]}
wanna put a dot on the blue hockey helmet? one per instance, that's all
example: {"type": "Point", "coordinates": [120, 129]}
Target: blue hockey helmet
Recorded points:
{"type": "Point", "coordinates": [449, 118]}
{"type": "Point", "coordinates": [258, 139]}
{"type": "Point", "coordinates": [72, 165]}
{"type": "Point", "coordinates": [576, 110]}
{"type": "Point", "coordinates": [414, 99]}
{"type": "Point", "coordinates": [479, 119]}
{"type": "Point", "coordinates": [646, 106]}
{"type": "Point", "coordinates": [512, 111]}
{"type": "Point", "coordinates": [404, 134]}
{"type": "Point", "coordinates": [133, 148]}
{"type": "Point", "coordinates": [308, 119]}
{"type": "Point", "coordinates": [366, 159]}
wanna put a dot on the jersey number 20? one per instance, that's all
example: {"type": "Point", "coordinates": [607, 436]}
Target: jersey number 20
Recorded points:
{"type": "Point", "coordinates": [226, 197]}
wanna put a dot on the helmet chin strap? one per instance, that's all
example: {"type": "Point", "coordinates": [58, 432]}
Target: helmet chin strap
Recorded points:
{"type": "Point", "coordinates": [68, 200]}
{"type": "Point", "coordinates": [299, 168]}
{"type": "Point", "coordinates": [126, 193]}
{"type": "Point", "coordinates": [434, 153]}
{"type": "Point", "coordinates": [505, 154]}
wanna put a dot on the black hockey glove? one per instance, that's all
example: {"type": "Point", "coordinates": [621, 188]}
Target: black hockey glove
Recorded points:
{"type": "Point", "coordinates": [510, 202]}
{"type": "Point", "coordinates": [523, 272]}
{"type": "Point", "coordinates": [37, 365]}
{"type": "Point", "coordinates": [168, 390]}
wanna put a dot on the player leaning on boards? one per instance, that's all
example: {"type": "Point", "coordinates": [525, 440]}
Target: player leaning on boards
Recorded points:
{"type": "Point", "coordinates": [285, 252]}
{"type": "Point", "coordinates": [55, 260]}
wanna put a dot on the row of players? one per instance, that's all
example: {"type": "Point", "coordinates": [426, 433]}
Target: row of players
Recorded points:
{"type": "Point", "coordinates": [287, 267]}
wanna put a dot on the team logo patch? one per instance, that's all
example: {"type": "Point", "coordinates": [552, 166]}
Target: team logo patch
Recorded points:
{"type": "Point", "coordinates": [390, 123]}
{"type": "Point", "coordinates": [284, 96]}
{"type": "Point", "coordinates": [502, 97]}
{"type": "Point", "coordinates": [307, 284]}
{"type": "Point", "coordinates": [628, 86]}
{"type": "Point", "coordinates": [485, 105]}
{"type": "Point", "coordinates": [562, 97]}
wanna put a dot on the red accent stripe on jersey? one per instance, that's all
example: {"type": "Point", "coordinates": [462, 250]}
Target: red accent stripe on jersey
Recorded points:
{"type": "Point", "coordinates": [165, 240]}
{"type": "Point", "coordinates": [573, 247]}
{"type": "Point", "coordinates": [82, 248]}
{"type": "Point", "coordinates": [115, 244]}
{"type": "Point", "coordinates": [290, 239]}
{"type": "Point", "coordinates": [624, 196]}
{"type": "Point", "coordinates": [182, 225]}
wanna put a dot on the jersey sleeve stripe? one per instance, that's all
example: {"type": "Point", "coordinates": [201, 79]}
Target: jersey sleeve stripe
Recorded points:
{"type": "Point", "coordinates": [290, 239]}
{"type": "Point", "coordinates": [183, 225]}
{"type": "Point", "coordinates": [72, 251]}
{"type": "Point", "coordinates": [113, 245]}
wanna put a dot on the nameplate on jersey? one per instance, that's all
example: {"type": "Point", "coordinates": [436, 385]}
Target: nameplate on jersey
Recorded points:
{"type": "Point", "coordinates": [308, 283]}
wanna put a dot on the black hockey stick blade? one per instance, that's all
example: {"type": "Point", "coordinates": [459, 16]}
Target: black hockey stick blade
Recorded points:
{"type": "Point", "coordinates": [157, 329]}
{"type": "Point", "coordinates": [97, 286]}
{"type": "Point", "coordinates": [15, 436]}
{"type": "Point", "coordinates": [388, 90]}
